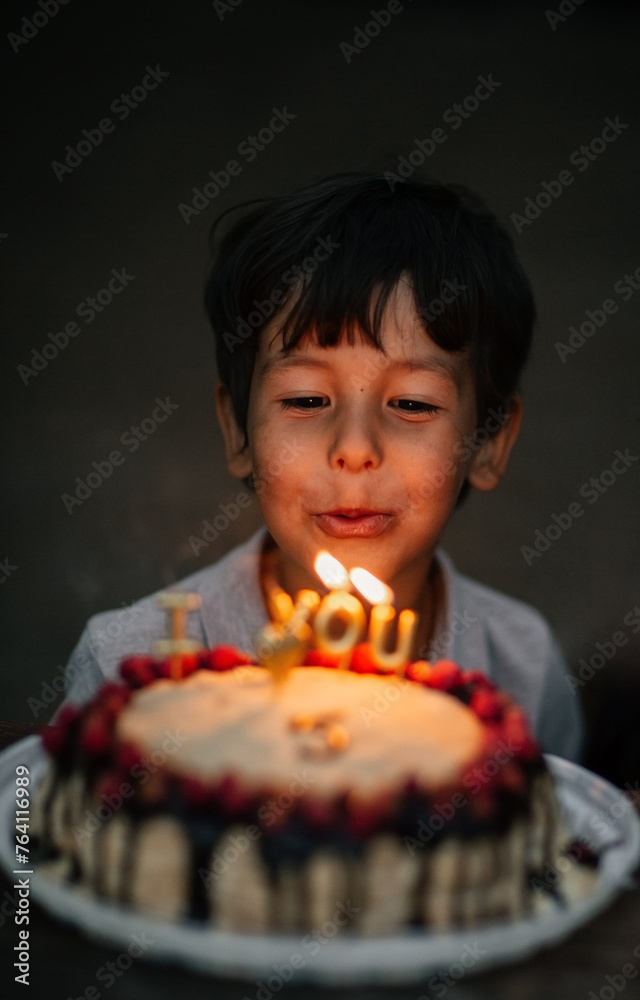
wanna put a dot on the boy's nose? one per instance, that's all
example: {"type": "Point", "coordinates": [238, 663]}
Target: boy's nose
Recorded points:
{"type": "Point", "coordinates": [355, 445]}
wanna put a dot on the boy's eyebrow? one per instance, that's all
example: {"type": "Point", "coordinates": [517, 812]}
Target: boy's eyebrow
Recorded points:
{"type": "Point", "coordinates": [292, 361]}
{"type": "Point", "coordinates": [436, 366]}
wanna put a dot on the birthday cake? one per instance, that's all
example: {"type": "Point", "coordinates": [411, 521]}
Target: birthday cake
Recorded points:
{"type": "Point", "coordinates": [378, 801]}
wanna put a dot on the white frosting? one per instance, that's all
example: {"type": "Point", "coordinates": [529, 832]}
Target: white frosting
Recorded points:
{"type": "Point", "coordinates": [238, 722]}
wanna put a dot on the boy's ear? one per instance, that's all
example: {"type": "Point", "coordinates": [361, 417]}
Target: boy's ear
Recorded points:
{"type": "Point", "coordinates": [237, 453]}
{"type": "Point", "coordinates": [490, 461]}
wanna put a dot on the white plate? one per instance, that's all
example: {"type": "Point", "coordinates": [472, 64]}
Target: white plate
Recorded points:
{"type": "Point", "coordinates": [593, 809]}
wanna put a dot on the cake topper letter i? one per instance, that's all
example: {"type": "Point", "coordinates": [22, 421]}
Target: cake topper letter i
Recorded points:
{"type": "Point", "coordinates": [178, 603]}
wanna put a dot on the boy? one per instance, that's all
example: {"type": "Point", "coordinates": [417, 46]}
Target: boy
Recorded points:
{"type": "Point", "coordinates": [369, 347]}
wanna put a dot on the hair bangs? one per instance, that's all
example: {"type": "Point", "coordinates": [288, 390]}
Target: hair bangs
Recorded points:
{"type": "Point", "coordinates": [376, 248]}
{"type": "Point", "coordinates": [324, 262]}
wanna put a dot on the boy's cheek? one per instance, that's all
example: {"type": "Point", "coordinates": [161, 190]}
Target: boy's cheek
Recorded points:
{"type": "Point", "coordinates": [275, 486]}
{"type": "Point", "coordinates": [276, 453]}
{"type": "Point", "coordinates": [442, 479]}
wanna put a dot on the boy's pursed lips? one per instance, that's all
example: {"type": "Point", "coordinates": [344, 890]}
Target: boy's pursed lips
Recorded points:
{"type": "Point", "coordinates": [350, 522]}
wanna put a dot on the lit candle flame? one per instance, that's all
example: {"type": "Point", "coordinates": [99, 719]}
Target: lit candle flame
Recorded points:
{"type": "Point", "coordinates": [374, 590]}
{"type": "Point", "coordinates": [331, 572]}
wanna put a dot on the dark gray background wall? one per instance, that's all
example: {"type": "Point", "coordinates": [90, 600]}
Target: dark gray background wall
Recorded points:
{"type": "Point", "coordinates": [119, 209]}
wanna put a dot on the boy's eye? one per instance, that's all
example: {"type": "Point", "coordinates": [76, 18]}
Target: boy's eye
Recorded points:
{"type": "Point", "coordinates": [414, 406]}
{"type": "Point", "coordinates": [304, 403]}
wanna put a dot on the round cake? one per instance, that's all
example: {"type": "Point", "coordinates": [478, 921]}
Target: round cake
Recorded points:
{"type": "Point", "coordinates": [374, 800]}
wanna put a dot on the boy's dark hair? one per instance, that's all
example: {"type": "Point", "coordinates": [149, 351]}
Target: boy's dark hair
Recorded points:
{"type": "Point", "coordinates": [441, 238]}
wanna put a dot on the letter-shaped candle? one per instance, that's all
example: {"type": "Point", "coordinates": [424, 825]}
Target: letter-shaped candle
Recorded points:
{"type": "Point", "coordinates": [338, 605]}
{"type": "Point", "coordinates": [284, 645]}
{"type": "Point", "coordinates": [382, 614]}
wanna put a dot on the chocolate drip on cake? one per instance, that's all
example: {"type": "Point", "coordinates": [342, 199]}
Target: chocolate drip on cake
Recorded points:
{"type": "Point", "coordinates": [42, 846]}
{"type": "Point", "coordinates": [124, 891]}
{"type": "Point", "coordinates": [203, 834]}
{"type": "Point", "coordinates": [100, 861]}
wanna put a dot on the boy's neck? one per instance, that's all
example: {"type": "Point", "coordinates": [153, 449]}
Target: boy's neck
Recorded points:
{"type": "Point", "coordinates": [421, 588]}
